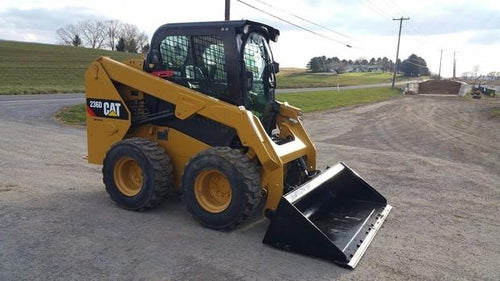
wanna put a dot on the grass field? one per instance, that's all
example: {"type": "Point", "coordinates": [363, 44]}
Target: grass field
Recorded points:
{"type": "Point", "coordinates": [29, 68]}
{"type": "Point", "coordinates": [300, 78]}
{"type": "Point", "coordinates": [308, 102]}
{"type": "Point", "coordinates": [322, 100]}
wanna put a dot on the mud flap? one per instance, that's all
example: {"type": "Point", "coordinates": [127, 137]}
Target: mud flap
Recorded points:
{"type": "Point", "coordinates": [333, 216]}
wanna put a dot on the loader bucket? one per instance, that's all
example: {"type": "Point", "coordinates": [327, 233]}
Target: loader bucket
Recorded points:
{"type": "Point", "coordinates": [333, 216]}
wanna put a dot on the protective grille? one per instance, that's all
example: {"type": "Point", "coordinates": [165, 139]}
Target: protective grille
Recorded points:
{"type": "Point", "coordinates": [209, 52]}
{"type": "Point", "coordinates": [198, 63]}
{"type": "Point", "coordinates": [174, 51]}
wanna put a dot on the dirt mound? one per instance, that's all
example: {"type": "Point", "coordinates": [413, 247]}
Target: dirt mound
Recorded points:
{"type": "Point", "coordinates": [444, 87]}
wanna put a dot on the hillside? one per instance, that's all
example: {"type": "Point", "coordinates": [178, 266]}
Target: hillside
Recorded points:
{"type": "Point", "coordinates": [30, 68]}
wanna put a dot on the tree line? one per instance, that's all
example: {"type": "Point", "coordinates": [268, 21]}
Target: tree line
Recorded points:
{"type": "Point", "coordinates": [104, 34]}
{"type": "Point", "coordinates": [335, 64]}
{"type": "Point", "coordinates": [414, 66]}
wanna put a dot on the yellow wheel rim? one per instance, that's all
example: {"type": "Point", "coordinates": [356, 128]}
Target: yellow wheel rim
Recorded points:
{"type": "Point", "coordinates": [212, 190]}
{"type": "Point", "coordinates": [128, 176]}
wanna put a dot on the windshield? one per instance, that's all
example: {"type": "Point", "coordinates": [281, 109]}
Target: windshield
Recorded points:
{"type": "Point", "coordinates": [258, 61]}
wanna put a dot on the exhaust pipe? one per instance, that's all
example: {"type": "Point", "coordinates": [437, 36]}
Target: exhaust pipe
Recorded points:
{"type": "Point", "coordinates": [333, 216]}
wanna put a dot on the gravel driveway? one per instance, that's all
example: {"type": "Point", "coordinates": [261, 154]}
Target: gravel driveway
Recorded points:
{"type": "Point", "coordinates": [436, 159]}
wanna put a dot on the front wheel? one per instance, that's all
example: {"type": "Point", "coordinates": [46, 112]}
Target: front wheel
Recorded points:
{"type": "Point", "coordinates": [221, 187]}
{"type": "Point", "coordinates": [137, 173]}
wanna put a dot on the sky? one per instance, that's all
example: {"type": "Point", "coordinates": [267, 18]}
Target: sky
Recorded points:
{"type": "Point", "coordinates": [470, 29]}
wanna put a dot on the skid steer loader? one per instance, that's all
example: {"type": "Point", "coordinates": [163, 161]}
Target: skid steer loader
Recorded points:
{"type": "Point", "coordinates": [199, 115]}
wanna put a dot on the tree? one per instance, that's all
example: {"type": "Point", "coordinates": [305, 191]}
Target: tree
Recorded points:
{"type": "Point", "coordinates": [76, 41]}
{"type": "Point", "coordinates": [318, 64]}
{"type": "Point", "coordinates": [120, 47]}
{"type": "Point", "coordinates": [131, 46]}
{"type": "Point", "coordinates": [467, 75]}
{"type": "Point", "coordinates": [93, 32]}
{"type": "Point", "coordinates": [113, 29]}
{"type": "Point", "coordinates": [314, 64]}
{"type": "Point", "coordinates": [494, 75]}
{"type": "Point", "coordinates": [145, 48]}
{"type": "Point", "coordinates": [414, 66]}
{"type": "Point", "coordinates": [391, 66]}
{"type": "Point", "coordinates": [475, 70]}
{"type": "Point", "coordinates": [67, 34]}
{"type": "Point", "coordinates": [385, 64]}
{"type": "Point", "coordinates": [97, 34]}
{"type": "Point", "coordinates": [133, 37]}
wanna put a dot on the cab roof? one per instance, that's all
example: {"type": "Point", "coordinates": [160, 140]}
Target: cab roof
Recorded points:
{"type": "Point", "coordinates": [234, 24]}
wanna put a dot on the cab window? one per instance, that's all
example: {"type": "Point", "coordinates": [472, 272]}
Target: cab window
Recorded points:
{"type": "Point", "coordinates": [198, 62]}
{"type": "Point", "coordinates": [258, 58]}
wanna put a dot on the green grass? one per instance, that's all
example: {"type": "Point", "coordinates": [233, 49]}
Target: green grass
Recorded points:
{"type": "Point", "coordinates": [29, 68]}
{"type": "Point", "coordinates": [308, 102]}
{"type": "Point", "coordinates": [322, 100]}
{"type": "Point", "coordinates": [300, 78]}
{"type": "Point", "coordinates": [71, 115]}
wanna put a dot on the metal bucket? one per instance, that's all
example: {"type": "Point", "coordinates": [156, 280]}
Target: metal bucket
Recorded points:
{"type": "Point", "coordinates": [333, 216]}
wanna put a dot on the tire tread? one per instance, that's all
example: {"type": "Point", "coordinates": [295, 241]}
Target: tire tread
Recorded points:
{"type": "Point", "coordinates": [162, 169]}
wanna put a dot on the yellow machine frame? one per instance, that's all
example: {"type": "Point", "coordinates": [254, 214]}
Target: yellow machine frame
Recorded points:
{"type": "Point", "coordinates": [103, 132]}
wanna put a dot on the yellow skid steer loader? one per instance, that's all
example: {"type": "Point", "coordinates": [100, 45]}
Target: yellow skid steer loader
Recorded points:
{"type": "Point", "coordinates": [199, 115]}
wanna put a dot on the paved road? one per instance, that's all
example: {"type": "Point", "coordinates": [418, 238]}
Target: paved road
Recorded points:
{"type": "Point", "coordinates": [380, 85]}
{"type": "Point", "coordinates": [62, 99]}
{"type": "Point", "coordinates": [35, 109]}
{"type": "Point", "coordinates": [436, 159]}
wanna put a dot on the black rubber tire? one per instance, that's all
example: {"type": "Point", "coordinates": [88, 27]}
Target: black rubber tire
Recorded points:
{"type": "Point", "coordinates": [244, 179]}
{"type": "Point", "coordinates": [156, 171]}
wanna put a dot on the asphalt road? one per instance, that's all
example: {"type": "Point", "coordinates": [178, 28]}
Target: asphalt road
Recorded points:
{"type": "Point", "coordinates": [436, 159]}
{"type": "Point", "coordinates": [379, 85]}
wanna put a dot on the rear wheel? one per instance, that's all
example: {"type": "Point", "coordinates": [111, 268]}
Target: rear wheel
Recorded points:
{"type": "Point", "coordinates": [221, 187]}
{"type": "Point", "coordinates": [137, 173]}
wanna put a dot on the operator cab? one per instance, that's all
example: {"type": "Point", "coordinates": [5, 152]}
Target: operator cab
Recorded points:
{"type": "Point", "coordinates": [228, 60]}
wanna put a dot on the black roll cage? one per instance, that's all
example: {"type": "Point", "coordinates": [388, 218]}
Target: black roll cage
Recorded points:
{"type": "Point", "coordinates": [228, 31]}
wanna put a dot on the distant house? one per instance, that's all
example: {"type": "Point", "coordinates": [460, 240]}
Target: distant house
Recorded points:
{"type": "Point", "coordinates": [349, 69]}
{"type": "Point", "coordinates": [366, 68]}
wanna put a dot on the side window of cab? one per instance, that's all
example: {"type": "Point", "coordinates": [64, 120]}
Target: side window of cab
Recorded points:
{"type": "Point", "coordinates": [197, 62]}
{"type": "Point", "coordinates": [174, 54]}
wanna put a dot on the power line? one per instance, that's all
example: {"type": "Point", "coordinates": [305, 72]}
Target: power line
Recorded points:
{"type": "Point", "coordinates": [309, 30]}
{"type": "Point", "coordinates": [296, 25]}
{"type": "Point", "coordinates": [415, 33]}
{"type": "Point", "coordinates": [389, 7]}
{"type": "Point", "coordinates": [379, 12]}
{"type": "Point", "coordinates": [393, 4]}
{"type": "Point", "coordinates": [415, 64]}
{"type": "Point", "coordinates": [303, 19]}
{"type": "Point", "coordinates": [380, 9]}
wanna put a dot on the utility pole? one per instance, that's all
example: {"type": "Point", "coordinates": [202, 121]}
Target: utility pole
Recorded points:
{"type": "Point", "coordinates": [228, 8]}
{"type": "Point", "coordinates": [440, 60]}
{"type": "Point", "coordinates": [454, 66]}
{"type": "Point", "coordinates": [397, 52]}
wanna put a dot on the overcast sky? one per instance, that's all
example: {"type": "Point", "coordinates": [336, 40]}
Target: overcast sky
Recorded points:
{"type": "Point", "coordinates": [471, 28]}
